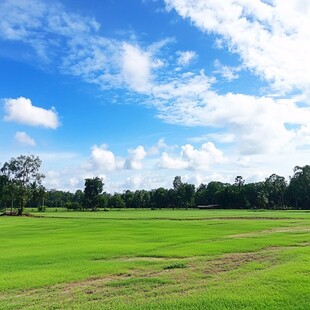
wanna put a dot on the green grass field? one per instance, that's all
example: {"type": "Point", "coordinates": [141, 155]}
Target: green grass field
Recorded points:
{"type": "Point", "coordinates": [156, 259]}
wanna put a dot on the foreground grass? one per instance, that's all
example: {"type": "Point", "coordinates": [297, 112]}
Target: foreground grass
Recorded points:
{"type": "Point", "coordinates": [167, 259]}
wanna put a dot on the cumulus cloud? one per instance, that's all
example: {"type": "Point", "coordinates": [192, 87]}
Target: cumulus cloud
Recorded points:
{"type": "Point", "coordinates": [23, 138]}
{"type": "Point", "coordinates": [22, 111]}
{"type": "Point", "coordinates": [272, 38]}
{"type": "Point", "coordinates": [193, 159]}
{"type": "Point", "coordinates": [136, 156]}
{"type": "Point", "coordinates": [184, 58]}
{"type": "Point", "coordinates": [104, 160]}
{"type": "Point", "coordinates": [168, 162]}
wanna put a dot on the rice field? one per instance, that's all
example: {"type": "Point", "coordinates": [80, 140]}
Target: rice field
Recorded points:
{"type": "Point", "coordinates": [156, 259]}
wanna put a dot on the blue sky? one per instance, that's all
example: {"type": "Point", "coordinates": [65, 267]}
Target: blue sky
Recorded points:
{"type": "Point", "coordinates": [139, 91]}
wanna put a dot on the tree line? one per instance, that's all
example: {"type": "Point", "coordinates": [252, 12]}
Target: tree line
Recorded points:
{"type": "Point", "coordinates": [21, 186]}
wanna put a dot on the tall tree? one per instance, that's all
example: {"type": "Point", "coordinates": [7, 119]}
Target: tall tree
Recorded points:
{"type": "Point", "coordinates": [93, 188]}
{"type": "Point", "coordinates": [4, 195]}
{"type": "Point", "coordinates": [275, 187]}
{"type": "Point", "coordinates": [299, 188]}
{"type": "Point", "coordinates": [239, 181]}
{"type": "Point", "coordinates": [177, 182]}
{"type": "Point", "coordinates": [201, 195]}
{"type": "Point", "coordinates": [178, 192]}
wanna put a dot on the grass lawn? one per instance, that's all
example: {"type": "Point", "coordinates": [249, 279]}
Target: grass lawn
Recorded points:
{"type": "Point", "coordinates": [156, 259]}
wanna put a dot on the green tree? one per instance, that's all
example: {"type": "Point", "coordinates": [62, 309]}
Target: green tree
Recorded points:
{"type": "Point", "coordinates": [201, 195]}
{"type": "Point", "coordinates": [117, 202]}
{"type": "Point", "coordinates": [93, 188]}
{"type": "Point", "coordinates": [239, 181]}
{"type": "Point", "coordinates": [4, 195]}
{"type": "Point", "coordinates": [299, 188]}
{"type": "Point", "coordinates": [21, 172]}
{"type": "Point", "coordinates": [275, 187]}
{"type": "Point", "coordinates": [159, 198]}
{"type": "Point", "coordinates": [184, 193]}
{"type": "Point", "coordinates": [214, 191]}
{"type": "Point", "coordinates": [188, 194]}
{"type": "Point", "coordinates": [78, 199]}
{"type": "Point", "coordinates": [141, 199]}
{"type": "Point", "coordinates": [128, 197]}
{"type": "Point", "coordinates": [177, 183]}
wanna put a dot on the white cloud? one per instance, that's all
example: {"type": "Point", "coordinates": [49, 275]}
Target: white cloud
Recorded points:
{"type": "Point", "coordinates": [168, 162]}
{"type": "Point", "coordinates": [53, 179]}
{"type": "Point", "coordinates": [272, 38]}
{"type": "Point", "coordinates": [160, 145]}
{"type": "Point", "coordinates": [104, 160]}
{"type": "Point", "coordinates": [146, 181]}
{"type": "Point", "coordinates": [258, 124]}
{"type": "Point", "coordinates": [187, 88]}
{"type": "Point", "coordinates": [136, 156]}
{"type": "Point", "coordinates": [74, 182]}
{"type": "Point", "coordinates": [101, 159]}
{"type": "Point", "coordinates": [198, 178]}
{"type": "Point", "coordinates": [227, 72]}
{"type": "Point", "coordinates": [33, 21]}
{"type": "Point", "coordinates": [184, 58]}
{"type": "Point", "coordinates": [193, 159]}
{"type": "Point", "coordinates": [72, 43]}
{"type": "Point", "coordinates": [23, 138]}
{"type": "Point", "coordinates": [136, 68]}
{"type": "Point", "coordinates": [67, 180]}
{"type": "Point", "coordinates": [134, 182]}
{"type": "Point", "coordinates": [95, 59]}
{"type": "Point", "coordinates": [22, 111]}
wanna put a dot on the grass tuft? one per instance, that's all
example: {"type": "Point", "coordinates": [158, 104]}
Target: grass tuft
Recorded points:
{"type": "Point", "coordinates": [175, 266]}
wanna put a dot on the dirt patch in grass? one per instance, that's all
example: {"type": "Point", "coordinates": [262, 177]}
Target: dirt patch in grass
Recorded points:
{"type": "Point", "coordinates": [95, 283]}
{"type": "Point", "coordinates": [270, 231]}
{"type": "Point", "coordinates": [232, 261]}
{"type": "Point", "coordinates": [292, 246]}
{"type": "Point", "coordinates": [173, 278]}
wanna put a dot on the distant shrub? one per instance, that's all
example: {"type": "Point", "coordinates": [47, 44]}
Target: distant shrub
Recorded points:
{"type": "Point", "coordinates": [73, 206]}
{"type": "Point", "coordinates": [41, 208]}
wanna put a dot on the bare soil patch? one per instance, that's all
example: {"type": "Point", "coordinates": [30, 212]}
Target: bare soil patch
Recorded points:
{"type": "Point", "coordinates": [233, 261]}
{"type": "Point", "coordinates": [270, 231]}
